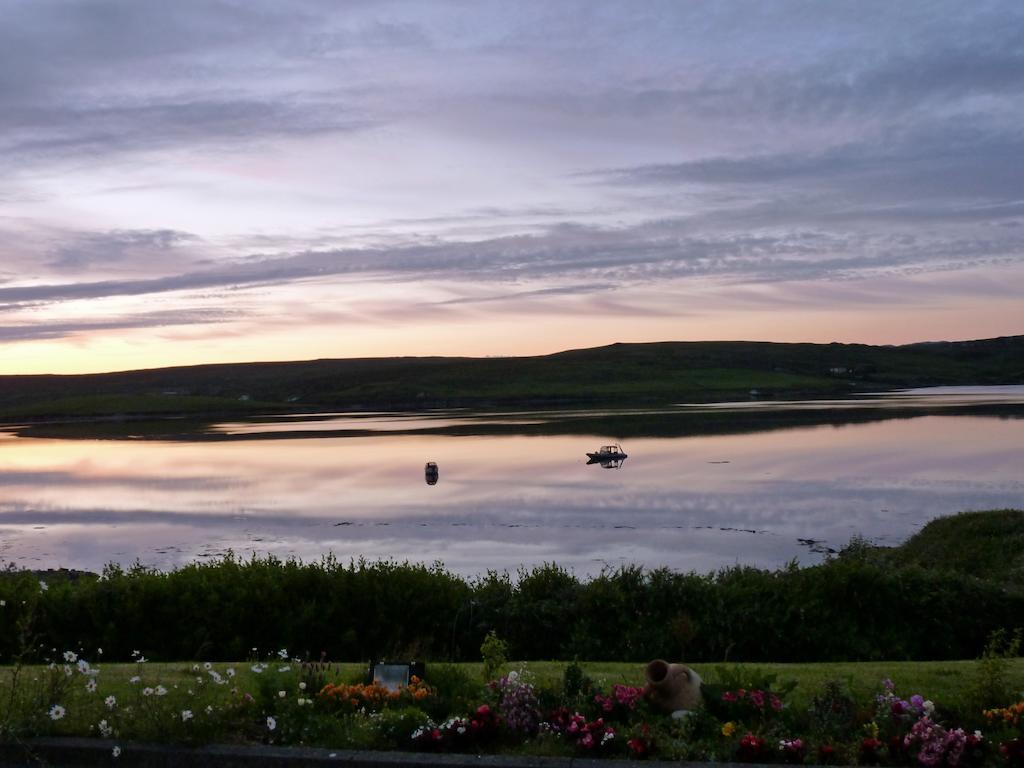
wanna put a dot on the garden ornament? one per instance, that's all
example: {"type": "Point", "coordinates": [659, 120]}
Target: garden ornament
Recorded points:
{"type": "Point", "coordinates": [673, 688]}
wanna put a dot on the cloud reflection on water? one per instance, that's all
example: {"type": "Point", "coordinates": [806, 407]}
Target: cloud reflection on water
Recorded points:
{"type": "Point", "coordinates": [696, 502]}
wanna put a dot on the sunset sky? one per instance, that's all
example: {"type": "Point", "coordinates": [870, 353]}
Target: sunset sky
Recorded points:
{"type": "Point", "coordinates": [186, 182]}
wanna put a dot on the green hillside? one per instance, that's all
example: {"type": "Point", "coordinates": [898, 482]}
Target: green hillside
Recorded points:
{"type": "Point", "coordinates": [621, 374]}
{"type": "Point", "coordinates": [986, 545]}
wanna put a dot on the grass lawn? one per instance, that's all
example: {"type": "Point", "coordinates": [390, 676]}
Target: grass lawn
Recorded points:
{"type": "Point", "coordinates": [939, 680]}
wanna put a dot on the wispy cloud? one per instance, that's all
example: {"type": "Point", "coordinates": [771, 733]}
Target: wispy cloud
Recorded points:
{"type": "Point", "coordinates": [198, 150]}
{"type": "Point", "coordinates": [41, 330]}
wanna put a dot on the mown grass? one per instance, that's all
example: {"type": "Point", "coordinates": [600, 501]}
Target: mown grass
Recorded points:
{"type": "Point", "coordinates": [941, 680]}
{"type": "Point", "coordinates": [946, 681]}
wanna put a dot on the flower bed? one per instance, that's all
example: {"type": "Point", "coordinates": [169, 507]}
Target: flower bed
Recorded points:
{"type": "Point", "coordinates": [747, 716]}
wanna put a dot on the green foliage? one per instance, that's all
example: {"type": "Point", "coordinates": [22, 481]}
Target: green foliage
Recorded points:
{"type": "Point", "coordinates": [454, 690]}
{"type": "Point", "coordinates": [576, 684]}
{"type": "Point", "coordinates": [393, 726]}
{"type": "Point", "coordinates": [860, 606]}
{"type": "Point", "coordinates": [833, 712]}
{"type": "Point", "coordinates": [988, 545]}
{"type": "Point", "coordinates": [991, 687]}
{"type": "Point", "coordinates": [494, 652]}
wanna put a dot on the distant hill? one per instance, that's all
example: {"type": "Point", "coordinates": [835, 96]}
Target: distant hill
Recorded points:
{"type": "Point", "coordinates": [623, 374]}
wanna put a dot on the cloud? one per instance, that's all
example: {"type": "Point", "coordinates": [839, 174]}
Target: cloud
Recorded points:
{"type": "Point", "coordinates": [90, 249]}
{"type": "Point", "coordinates": [949, 161]}
{"type": "Point", "coordinates": [55, 133]}
{"type": "Point", "coordinates": [38, 330]}
{"type": "Point", "coordinates": [529, 156]}
{"type": "Point", "coordinates": [588, 255]}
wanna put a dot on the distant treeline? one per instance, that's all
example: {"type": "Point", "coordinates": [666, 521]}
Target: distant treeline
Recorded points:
{"type": "Point", "coordinates": [865, 604]}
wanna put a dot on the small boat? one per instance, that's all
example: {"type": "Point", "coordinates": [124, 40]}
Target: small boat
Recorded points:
{"type": "Point", "coordinates": [607, 453]}
{"type": "Point", "coordinates": [430, 471]}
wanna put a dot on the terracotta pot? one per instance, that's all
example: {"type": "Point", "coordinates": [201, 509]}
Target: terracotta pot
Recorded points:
{"type": "Point", "coordinates": [671, 687]}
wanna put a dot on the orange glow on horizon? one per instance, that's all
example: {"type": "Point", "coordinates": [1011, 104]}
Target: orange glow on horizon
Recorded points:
{"type": "Point", "coordinates": [498, 336]}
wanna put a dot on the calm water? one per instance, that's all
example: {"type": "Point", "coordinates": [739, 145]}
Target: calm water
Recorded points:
{"type": "Point", "coordinates": [705, 486]}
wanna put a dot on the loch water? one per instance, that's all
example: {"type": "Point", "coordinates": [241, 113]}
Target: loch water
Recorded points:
{"type": "Point", "coordinates": [705, 486]}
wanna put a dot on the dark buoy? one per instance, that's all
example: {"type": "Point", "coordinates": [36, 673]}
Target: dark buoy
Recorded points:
{"type": "Point", "coordinates": [430, 471]}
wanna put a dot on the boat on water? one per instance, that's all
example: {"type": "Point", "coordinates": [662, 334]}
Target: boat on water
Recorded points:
{"type": "Point", "coordinates": [431, 472]}
{"type": "Point", "coordinates": [607, 453]}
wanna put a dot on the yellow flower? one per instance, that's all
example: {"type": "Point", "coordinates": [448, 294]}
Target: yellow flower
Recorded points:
{"type": "Point", "coordinates": [729, 728]}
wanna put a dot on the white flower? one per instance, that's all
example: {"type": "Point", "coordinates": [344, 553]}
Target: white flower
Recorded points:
{"type": "Point", "coordinates": [257, 668]}
{"type": "Point", "coordinates": [91, 686]}
{"type": "Point", "coordinates": [68, 671]}
{"type": "Point", "coordinates": [105, 729]}
{"type": "Point", "coordinates": [99, 651]}
{"type": "Point", "coordinates": [195, 667]}
{"type": "Point", "coordinates": [160, 691]}
{"type": "Point", "coordinates": [3, 603]}
{"type": "Point", "coordinates": [216, 677]}
{"type": "Point", "coordinates": [57, 712]}
{"type": "Point", "coordinates": [43, 586]}
{"type": "Point", "coordinates": [209, 709]}
{"type": "Point", "coordinates": [230, 671]}
{"type": "Point", "coordinates": [929, 708]}
{"type": "Point", "coordinates": [608, 736]}
{"type": "Point", "coordinates": [147, 691]}
{"type": "Point", "coordinates": [70, 656]}
{"type": "Point", "coordinates": [281, 694]}
{"type": "Point", "coordinates": [271, 723]}
{"type": "Point", "coordinates": [116, 751]}
{"type": "Point", "coordinates": [134, 679]}
{"type": "Point", "coordinates": [207, 666]}
{"type": "Point", "coordinates": [978, 736]}
{"type": "Point", "coordinates": [302, 686]}
{"type": "Point", "coordinates": [283, 653]}
{"type": "Point", "coordinates": [285, 668]}
{"type": "Point", "coordinates": [110, 701]}
{"type": "Point", "coordinates": [186, 715]}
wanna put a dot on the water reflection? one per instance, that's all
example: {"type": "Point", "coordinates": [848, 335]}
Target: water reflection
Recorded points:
{"type": "Point", "coordinates": [699, 501]}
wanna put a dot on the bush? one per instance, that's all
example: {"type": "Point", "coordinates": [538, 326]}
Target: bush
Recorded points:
{"type": "Point", "coordinates": [849, 608]}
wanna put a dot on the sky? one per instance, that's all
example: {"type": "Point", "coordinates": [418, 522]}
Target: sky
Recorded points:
{"type": "Point", "coordinates": [217, 181]}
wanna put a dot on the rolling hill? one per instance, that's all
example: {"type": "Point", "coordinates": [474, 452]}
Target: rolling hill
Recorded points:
{"type": "Point", "coordinates": [622, 374]}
